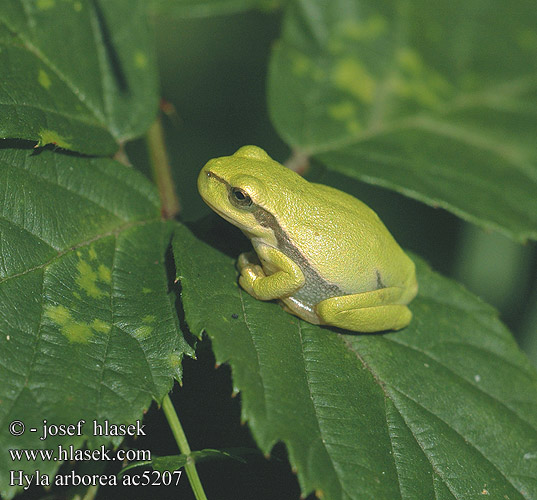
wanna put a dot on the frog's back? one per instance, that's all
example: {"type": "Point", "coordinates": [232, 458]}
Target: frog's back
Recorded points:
{"type": "Point", "coordinates": [354, 249]}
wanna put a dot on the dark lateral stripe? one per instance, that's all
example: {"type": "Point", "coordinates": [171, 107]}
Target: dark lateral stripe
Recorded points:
{"type": "Point", "coordinates": [316, 284]}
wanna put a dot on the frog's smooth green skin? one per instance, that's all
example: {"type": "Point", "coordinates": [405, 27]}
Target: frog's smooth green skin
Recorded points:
{"type": "Point", "coordinates": [323, 253]}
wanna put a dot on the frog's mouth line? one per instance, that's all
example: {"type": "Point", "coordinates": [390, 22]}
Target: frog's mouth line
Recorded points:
{"type": "Point", "coordinates": [211, 175]}
{"type": "Point", "coordinates": [222, 214]}
{"type": "Point", "coordinates": [216, 210]}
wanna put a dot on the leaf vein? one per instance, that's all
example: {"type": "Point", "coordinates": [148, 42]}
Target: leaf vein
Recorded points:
{"type": "Point", "coordinates": [110, 332]}
{"type": "Point", "coordinates": [317, 418]}
{"type": "Point", "coordinates": [433, 466]}
{"type": "Point", "coordinates": [34, 352]}
{"type": "Point", "coordinates": [466, 440]}
{"type": "Point", "coordinates": [464, 380]}
{"type": "Point", "coordinates": [79, 245]}
{"type": "Point", "coordinates": [30, 47]}
{"type": "Point", "coordinates": [393, 454]}
{"type": "Point", "coordinates": [63, 114]}
{"type": "Point", "coordinates": [256, 352]}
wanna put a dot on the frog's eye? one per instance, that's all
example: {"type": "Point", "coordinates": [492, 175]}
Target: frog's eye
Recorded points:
{"type": "Point", "coordinates": [240, 198]}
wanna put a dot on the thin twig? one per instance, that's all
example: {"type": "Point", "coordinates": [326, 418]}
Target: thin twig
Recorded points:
{"type": "Point", "coordinates": [298, 162]}
{"type": "Point", "coordinates": [162, 171]}
{"type": "Point", "coordinates": [182, 443]}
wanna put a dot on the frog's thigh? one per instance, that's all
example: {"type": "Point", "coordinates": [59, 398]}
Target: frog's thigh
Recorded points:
{"type": "Point", "coordinates": [366, 312]}
{"type": "Point", "coordinates": [282, 283]}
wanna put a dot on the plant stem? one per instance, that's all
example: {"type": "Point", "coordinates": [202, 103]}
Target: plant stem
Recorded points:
{"type": "Point", "coordinates": [162, 172]}
{"type": "Point", "coordinates": [180, 438]}
{"type": "Point", "coordinates": [91, 493]}
{"type": "Point", "coordinates": [299, 161]}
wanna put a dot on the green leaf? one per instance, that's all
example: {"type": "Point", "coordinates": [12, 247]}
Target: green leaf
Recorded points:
{"type": "Point", "coordinates": [88, 327]}
{"type": "Point", "coordinates": [436, 101]}
{"type": "Point", "coordinates": [446, 408]}
{"type": "Point", "coordinates": [78, 74]}
{"type": "Point", "coordinates": [176, 462]}
{"type": "Point", "coordinates": [208, 8]}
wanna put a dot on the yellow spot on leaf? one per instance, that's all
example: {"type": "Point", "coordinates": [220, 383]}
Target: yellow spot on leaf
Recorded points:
{"type": "Point", "coordinates": [92, 253]}
{"type": "Point", "coordinates": [146, 290]}
{"type": "Point", "coordinates": [150, 318]}
{"type": "Point", "coordinates": [45, 4]}
{"type": "Point", "coordinates": [419, 82]}
{"type": "Point", "coordinates": [105, 274]}
{"type": "Point", "coordinates": [77, 6]}
{"type": "Point", "coordinates": [143, 332]}
{"type": "Point", "coordinates": [77, 295]}
{"type": "Point", "coordinates": [174, 360]}
{"type": "Point", "coordinates": [101, 326]}
{"type": "Point", "coordinates": [140, 60]}
{"type": "Point", "coordinates": [59, 314]}
{"type": "Point", "coordinates": [410, 60]}
{"type": "Point", "coordinates": [44, 79]}
{"type": "Point", "coordinates": [51, 137]}
{"type": "Point", "coordinates": [87, 280]}
{"type": "Point", "coordinates": [75, 331]}
{"type": "Point", "coordinates": [351, 76]}
{"type": "Point", "coordinates": [346, 111]}
{"type": "Point", "coordinates": [354, 127]}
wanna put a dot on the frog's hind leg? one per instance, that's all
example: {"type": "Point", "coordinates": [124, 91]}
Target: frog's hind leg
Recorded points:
{"type": "Point", "coordinates": [294, 306]}
{"type": "Point", "coordinates": [366, 312]}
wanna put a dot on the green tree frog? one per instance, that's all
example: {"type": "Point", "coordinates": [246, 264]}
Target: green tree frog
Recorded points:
{"type": "Point", "coordinates": [324, 254]}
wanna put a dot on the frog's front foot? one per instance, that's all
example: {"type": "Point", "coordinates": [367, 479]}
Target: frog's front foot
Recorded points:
{"type": "Point", "coordinates": [285, 279]}
{"type": "Point", "coordinates": [251, 270]}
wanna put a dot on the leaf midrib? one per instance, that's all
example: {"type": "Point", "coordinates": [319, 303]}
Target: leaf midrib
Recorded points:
{"type": "Point", "coordinates": [86, 120]}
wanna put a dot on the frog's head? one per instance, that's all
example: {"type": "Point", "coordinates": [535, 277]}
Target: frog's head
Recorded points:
{"type": "Point", "coordinates": [250, 190]}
